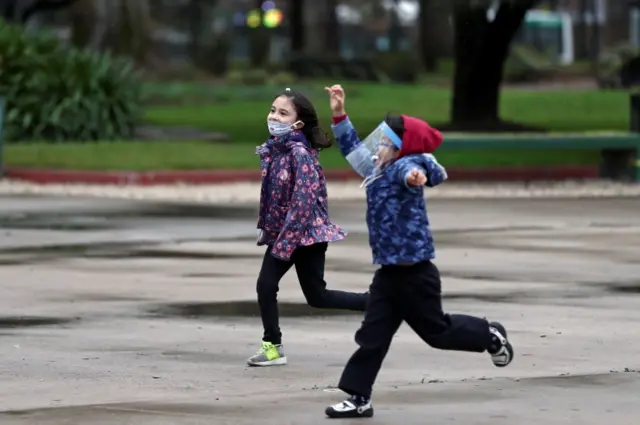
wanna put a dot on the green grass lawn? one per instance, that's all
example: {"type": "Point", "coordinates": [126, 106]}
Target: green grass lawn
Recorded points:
{"type": "Point", "coordinates": [555, 110]}
{"type": "Point", "coordinates": [145, 156]}
{"type": "Point", "coordinates": [241, 113]}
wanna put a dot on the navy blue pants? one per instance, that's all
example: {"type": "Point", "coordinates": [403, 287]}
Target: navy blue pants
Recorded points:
{"type": "Point", "coordinates": [411, 294]}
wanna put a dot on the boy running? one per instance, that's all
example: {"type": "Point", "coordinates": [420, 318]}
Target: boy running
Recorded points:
{"type": "Point", "coordinates": [396, 163]}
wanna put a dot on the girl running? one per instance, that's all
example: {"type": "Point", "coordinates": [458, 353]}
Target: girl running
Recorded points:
{"type": "Point", "coordinates": [294, 221]}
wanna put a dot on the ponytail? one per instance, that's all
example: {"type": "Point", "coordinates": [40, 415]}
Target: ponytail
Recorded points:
{"type": "Point", "coordinates": [318, 139]}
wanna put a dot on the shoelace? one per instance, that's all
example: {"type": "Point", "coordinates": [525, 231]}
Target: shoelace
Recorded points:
{"type": "Point", "coordinates": [263, 349]}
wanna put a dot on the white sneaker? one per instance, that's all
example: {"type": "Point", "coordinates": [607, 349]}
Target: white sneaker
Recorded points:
{"type": "Point", "coordinates": [502, 351]}
{"type": "Point", "coordinates": [353, 407]}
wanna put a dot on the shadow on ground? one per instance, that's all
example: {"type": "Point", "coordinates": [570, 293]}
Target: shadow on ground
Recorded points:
{"type": "Point", "coordinates": [249, 308]}
{"type": "Point", "coordinates": [19, 322]}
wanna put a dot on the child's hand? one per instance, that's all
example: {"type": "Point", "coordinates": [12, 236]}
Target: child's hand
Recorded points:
{"type": "Point", "coordinates": [336, 99]}
{"type": "Point", "coordinates": [416, 178]}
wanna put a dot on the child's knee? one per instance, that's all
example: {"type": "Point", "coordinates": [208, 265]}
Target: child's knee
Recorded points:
{"type": "Point", "coordinates": [372, 339]}
{"type": "Point", "coordinates": [316, 299]}
{"type": "Point", "coordinates": [266, 288]}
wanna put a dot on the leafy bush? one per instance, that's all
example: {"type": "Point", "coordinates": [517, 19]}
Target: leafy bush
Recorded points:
{"type": "Point", "coordinates": [525, 63]}
{"type": "Point", "coordinates": [335, 68]}
{"type": "Point", "coordinates": [56, 93]}
{"type": "Point", "coordinates": [617, 67]}
{"type": "Point", "coordinates": [399, 67]}
{"type": "Point", "coordinates": [259, 77]}
{"type": "Point", "coordinates": [250, 77]}
{"type": "Point", "coordinates": [256, 77]}
{"type": "Point", "coordinates": [282, 79]}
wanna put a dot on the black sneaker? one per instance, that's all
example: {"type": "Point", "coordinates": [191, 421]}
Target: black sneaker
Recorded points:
{"type": "Point", "coordinates": [353, 407]}
{"type": "Point", "coordinates": [501, 350]}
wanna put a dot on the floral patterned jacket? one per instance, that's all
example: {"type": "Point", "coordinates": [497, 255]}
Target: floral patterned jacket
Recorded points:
{"type": "Point", "coordinates": [293, 197]}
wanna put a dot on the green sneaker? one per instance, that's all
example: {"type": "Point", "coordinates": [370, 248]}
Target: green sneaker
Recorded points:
{"type": "Point", "coordinates": [269, 355]}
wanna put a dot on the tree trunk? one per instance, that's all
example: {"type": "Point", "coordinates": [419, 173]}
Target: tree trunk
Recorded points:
{"type": "Point", "coordinates": [481, 49]}
{"type": "Point", "coordinates": [395, 28]}
{"type": "Point", "coordinates": [259, 41]}
{"type": "Point", "coordinates": [332, 29]}
{"type": "Point", "coordinates": [90, 23]}
{"type": "Point", "coordinates": [122, 27]}
{"type": "Point", "coordinates": [581, 31]}
{"type": "Point", "coordinates": [594, 36]}
{"type": "Point", "coordinates": [20, 11]}
{"type": "Point", "coordinates": [296, 28]}
{"type": "Point", "coordinates": [425, 41]}
{"type": "Point", "coordinates": [134, 32]}
{"type": "Point", "coordinates": [195, 18]}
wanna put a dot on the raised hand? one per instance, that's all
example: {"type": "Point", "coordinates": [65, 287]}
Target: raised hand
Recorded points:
{"type": "Point", "coordinates": [336, 99]}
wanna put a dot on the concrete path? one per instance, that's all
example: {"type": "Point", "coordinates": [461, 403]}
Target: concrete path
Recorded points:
{"type": "Point", "coordinates": [121, 313]}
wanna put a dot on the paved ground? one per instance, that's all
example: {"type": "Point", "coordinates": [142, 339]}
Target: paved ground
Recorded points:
{"type": "Point", "coordinates": [122, 313]}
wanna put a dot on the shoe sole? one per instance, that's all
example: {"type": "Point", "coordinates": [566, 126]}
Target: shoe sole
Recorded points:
{"type": "Point", "coordinates": [511, 354]}
{"type": "Point", "coordinates": [276, 362]}
{"type": "Point", "coordinates": [349, 415]}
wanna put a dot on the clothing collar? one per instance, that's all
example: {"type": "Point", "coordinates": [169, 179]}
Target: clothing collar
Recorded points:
{"type": "Point", "coordinates": [284, 143]}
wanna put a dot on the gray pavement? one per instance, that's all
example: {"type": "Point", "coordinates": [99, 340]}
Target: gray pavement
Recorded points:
{"type": "Point", "coordinates": [115, 312]}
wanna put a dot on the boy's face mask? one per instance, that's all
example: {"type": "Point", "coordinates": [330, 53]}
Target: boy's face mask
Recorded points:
{"type": "Point", "coordinates": [277, 128]}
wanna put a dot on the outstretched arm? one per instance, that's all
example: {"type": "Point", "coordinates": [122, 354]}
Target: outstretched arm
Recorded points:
{"type": "Point", "coordinates": [422, 170]}
{"type": "Point", "coordinates": [436, 173]}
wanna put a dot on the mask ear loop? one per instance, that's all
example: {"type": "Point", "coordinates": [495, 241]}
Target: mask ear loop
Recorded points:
{"type": "Point", "coordinates": [375, 175]}
{"type": "Point", "coordinates": [366, 182]}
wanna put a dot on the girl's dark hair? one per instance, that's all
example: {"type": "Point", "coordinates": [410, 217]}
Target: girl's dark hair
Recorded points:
{"type": "Point", "coordinates": [396, 122]}
{"type": "Point", "coordinates": [307, 114]}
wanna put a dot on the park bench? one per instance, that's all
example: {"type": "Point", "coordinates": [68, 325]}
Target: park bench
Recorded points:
{"type": "Point", "coordinates": [620, 152]}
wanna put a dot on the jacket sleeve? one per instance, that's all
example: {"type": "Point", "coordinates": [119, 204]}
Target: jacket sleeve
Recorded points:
{"type": "Point", "coordinates": [428, 164]}
{"type": "Point", "coordinates": [352, 148]}
{"type": "Point", "coordinates": [303, 197]}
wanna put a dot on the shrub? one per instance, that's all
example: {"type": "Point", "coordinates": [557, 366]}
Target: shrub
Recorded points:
{"type": "Point", "coordinates": [399, 67]}
{"type": "Point", "coordinates": [525, 63]}
{"type": "Point", "coordinates": [235, 77]}
{"type": "Point", "coordinates": [56, 93]}
{"type": "Point", "coordinates": [334, 68]}
{"type": "Point", "coordinates": [282, 79]}
{"type": "Point", "coordinates": [618, 67]}
{"type": "Point", "coordinates": [256, 77]}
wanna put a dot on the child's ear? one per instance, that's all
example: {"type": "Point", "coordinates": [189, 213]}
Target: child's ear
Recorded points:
{"type": "Point", "coordinates": [298, 125]}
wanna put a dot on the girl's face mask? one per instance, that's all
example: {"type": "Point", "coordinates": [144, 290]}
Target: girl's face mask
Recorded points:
{"type": "Point", "coordinates": [278, 129]}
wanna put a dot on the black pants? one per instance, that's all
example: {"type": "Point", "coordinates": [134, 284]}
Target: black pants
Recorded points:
{"type": "Point", "coordinates": [411, 294]}
{"type": "Point", "coordinates": [309, 262]}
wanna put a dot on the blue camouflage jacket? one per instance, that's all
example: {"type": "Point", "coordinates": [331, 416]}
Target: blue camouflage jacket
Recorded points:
{"type": "Point", "coordinates": [396, 212]}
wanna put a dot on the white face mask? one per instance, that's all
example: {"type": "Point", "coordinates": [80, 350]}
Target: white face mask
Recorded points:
{"type": "Point", "coordinates": [279, 129]}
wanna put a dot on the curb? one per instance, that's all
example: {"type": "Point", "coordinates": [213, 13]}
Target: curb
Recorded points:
{"type": "Point", "coordinates": [151, 178]}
